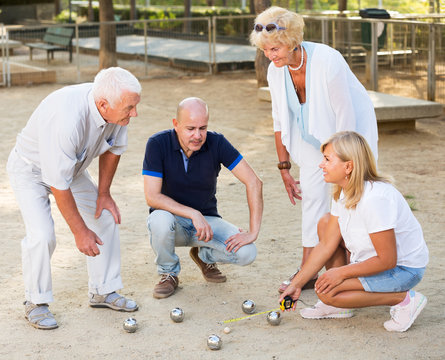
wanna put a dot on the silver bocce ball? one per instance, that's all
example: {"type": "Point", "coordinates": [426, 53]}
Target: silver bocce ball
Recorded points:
{"type": "Point", "coordinates": [214, 342]}
{"type": "Point", "coordinates": [177, 315]}
{"type": "Point", "coordinates": [274, 318]}
{"type": "Point", "coordinates": [130, 325]}
{"type": "Point", "coordinates": [248, 306]}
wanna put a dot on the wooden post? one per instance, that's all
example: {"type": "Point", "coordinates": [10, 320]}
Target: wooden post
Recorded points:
{"type": "Point", "coordinates": [374, 59]}
{"type": "Point", "coordinates": [261, 62]}
{"type": "Point", "coordinates": [431, 92]}
{"type": "Point", "coordinates": [107, 35]}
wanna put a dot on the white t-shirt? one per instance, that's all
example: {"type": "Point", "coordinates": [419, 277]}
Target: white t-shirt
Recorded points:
{"type": "Point", "coordinates": [382, 207]}
{"type": "Point", "coordinates": [65, 133]}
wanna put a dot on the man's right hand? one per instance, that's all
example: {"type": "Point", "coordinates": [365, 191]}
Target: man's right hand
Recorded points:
{"type": "Point", "coordinates": [203, 230]}
{"type": "Point", "coordinates": [86, 239]}
{"type": "Point", "coordinates": [87, 242]}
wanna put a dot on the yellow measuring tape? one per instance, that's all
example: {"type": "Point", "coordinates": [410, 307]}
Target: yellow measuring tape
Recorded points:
{"type": "Point", "coordinates": [248, 316]}
{"type": "Point", "coordinates": [286, 303]}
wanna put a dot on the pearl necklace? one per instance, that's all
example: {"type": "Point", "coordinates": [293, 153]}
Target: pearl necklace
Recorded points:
{"type": "Point", "coordinates": [301, 62]}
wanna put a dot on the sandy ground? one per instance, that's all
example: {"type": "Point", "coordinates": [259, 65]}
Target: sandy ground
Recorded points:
{"type": "Point", "coordinates": [414, 158]}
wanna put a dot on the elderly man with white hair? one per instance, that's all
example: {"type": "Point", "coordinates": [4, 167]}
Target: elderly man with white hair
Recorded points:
{"type": "Point", "coordinates": [68, 129]}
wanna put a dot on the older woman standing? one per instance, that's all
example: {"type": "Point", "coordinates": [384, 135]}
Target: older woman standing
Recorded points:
{"type": "Point", "coordinates": [314, 94]}
{"type": "Point", "coordinates": [371, 219]}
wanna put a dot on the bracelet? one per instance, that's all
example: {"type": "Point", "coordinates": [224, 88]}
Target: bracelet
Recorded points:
{"type": "Point", "coordinates": [284, 165]}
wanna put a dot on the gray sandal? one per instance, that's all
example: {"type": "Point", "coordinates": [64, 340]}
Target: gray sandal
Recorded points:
{"type": "Point", "coordinates": [113, 301]}
{"type": "Point", "coordinates": [39, 316]}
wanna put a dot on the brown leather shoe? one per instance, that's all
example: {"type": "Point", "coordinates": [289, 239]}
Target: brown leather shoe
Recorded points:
{"type": "Point", "coordinates": [210, 272]}
{"type": "Point", "coordinates": [166, 286]}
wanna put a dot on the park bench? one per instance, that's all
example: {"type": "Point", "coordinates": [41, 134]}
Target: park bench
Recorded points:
{"type": "Point", "coordinates": [55, 39]}
{"type": "Point", "coordinates": [10, 44]}
{"type": "Point", "coordinates": [392, 112]}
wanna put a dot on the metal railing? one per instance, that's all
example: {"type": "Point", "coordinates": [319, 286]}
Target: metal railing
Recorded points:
{"type": "Point", "coordinates": [393, 56]}
{"type": "Point", "coordinates": [405, 52]}
{"type": "Point", "coordinates": [4, 48]}
{"type": "Point", "coordinates": [138, 44]}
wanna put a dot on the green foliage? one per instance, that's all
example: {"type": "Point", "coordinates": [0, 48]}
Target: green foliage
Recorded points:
{"type": "Point", "coordinates": [401, 6]}
{"type": "Point", "coordinates": [229, 30]}
{"type": "Point", "coordinates": [159, 14]}
{"type": "Point", "coordinates": [24, 2]}
{"type": "Point", "coordinates": [64, 16]}
{"type": "Point", "coordinates": [171, 9]}
{"type": "Point", "coordinates": [164, 12]}
{"type": "Point", "coordinates": [170, 3]}
{"type": "Point", "coordinates": [83, 12]}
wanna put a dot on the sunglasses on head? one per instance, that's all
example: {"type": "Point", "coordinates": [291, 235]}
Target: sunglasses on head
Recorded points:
{"type": "Point", "coordinates": [269, 27]}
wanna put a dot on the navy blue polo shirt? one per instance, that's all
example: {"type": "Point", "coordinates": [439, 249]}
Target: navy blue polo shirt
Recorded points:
{"type": "Point", "coordinates": [195, 187]}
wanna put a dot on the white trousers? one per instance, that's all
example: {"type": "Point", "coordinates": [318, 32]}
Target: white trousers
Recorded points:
{"type": "Point", "coordinates": [315, 192]}
{"type": "Point", "coordinates": [315, 202]}
{"type": "Point", "coordinates": [39, 243]}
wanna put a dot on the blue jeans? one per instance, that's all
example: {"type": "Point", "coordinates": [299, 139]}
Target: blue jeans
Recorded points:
{"type": "Point", "coordinates": [398, 279]}
{"type": "Point", "coordinates": [168, 231]}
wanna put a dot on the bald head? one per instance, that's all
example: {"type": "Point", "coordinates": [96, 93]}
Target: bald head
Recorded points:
{"type": "Point", "coordinates": [192, 117]}
{"type": "Point", "coordinates": [192, 108]}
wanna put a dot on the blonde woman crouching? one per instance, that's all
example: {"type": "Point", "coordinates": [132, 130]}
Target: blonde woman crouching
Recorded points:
{"type": "Point", "coordinates": [372, 221]}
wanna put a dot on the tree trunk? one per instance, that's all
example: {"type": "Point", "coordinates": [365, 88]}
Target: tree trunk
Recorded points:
{"type": "Point", "coordinates": [261, 62]}
{"type": "Point", "coordinates": [133, 10]}
{"type": "Point", "coordinates": [340, 43]}
{"type": "Point", "coordinates": [107, 35]}
{"type": "Point", "coordinates": [308, 4]}
{"type": "Point", "coordinates": [56, 7]}
{"type": "Point", "coordinates": [261, 5]}
{"type": "Point", "coordinates": [342, 5]}
{"type": "Point", "coordinates": [90, 11]}
{"type": "Point", "coordinates": [252, 7]}
{"type": "Point", "coordinates": [187, 28]}
{"type": "Point", "coordinates": [261, 65]}
{"type": "Point", "coordinates": [431, 6]}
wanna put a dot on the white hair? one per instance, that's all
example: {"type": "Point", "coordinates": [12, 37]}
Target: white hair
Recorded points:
{"type": "Point", "coordinates": [109, 84]}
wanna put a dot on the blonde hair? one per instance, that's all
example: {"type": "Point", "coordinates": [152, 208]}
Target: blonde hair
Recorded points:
{"type": "Point", "coordinates": [292, 36]}
{"type": "Point", "coordinates": [351, 146]}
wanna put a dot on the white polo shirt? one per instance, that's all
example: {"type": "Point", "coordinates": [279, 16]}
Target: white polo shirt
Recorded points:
{"type": "Point", "coordinates": [65, 133]}
{"type": "Point", "coordinates": [382, 207]}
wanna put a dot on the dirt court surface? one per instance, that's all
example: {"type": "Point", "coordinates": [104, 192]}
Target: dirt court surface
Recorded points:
{"type": "Point", "coordinates": [414, 158]}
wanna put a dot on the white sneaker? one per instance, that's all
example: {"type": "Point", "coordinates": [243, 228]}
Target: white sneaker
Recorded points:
{"type": "Point", "coordinates": [402, 317]}
{"type": "Point", "coordinates": [322, 311]}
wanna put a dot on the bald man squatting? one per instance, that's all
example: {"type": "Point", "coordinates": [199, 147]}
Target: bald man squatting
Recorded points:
{"type": "Point", "coordinates": [180, 170]}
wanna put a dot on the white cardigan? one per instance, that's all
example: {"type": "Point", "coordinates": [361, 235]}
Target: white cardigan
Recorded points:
{"type": "Point", "coordinates": [337, 101]}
